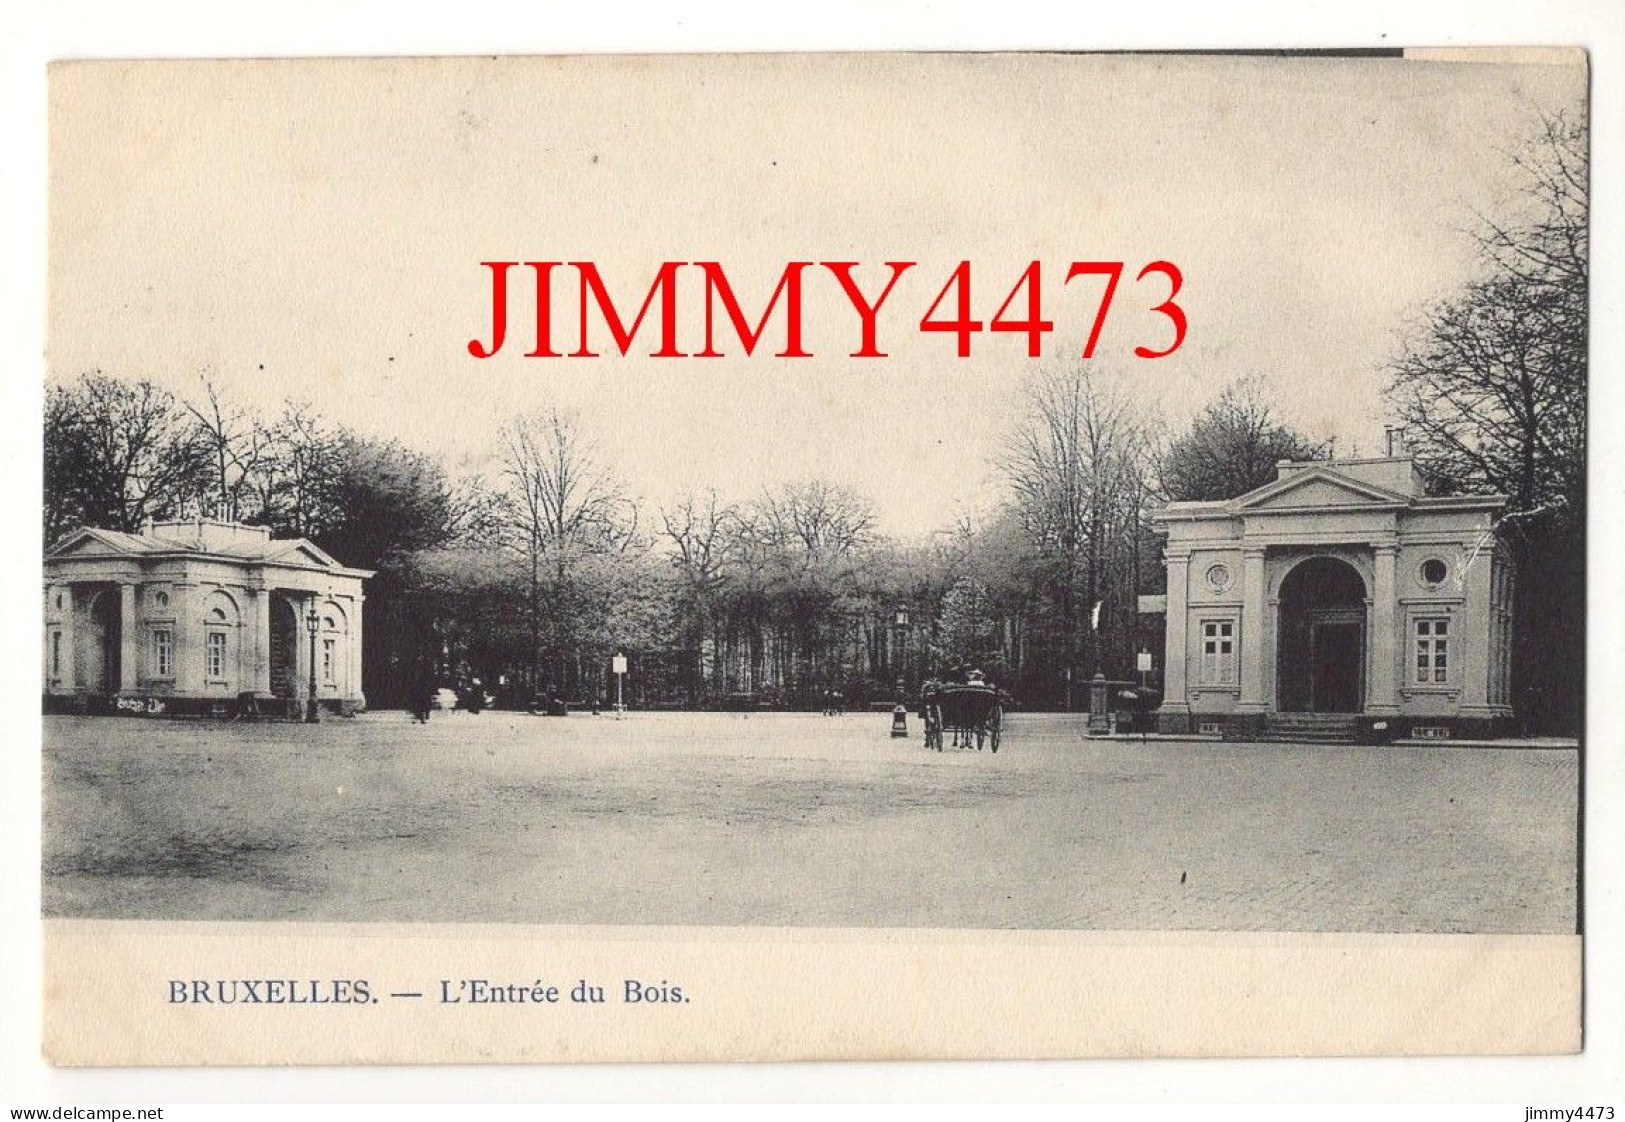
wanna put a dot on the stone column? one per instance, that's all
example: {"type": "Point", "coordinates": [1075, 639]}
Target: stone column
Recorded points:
{"type": "Point", "coordinates": [1470, 632]}
{"type": "Point", "coordinates": [68, 679]}
{"type": "Point", "coordinates": [1175, 714]}
{"type": "Point", "coordinates": [1382, 671]}
{"type": "Point", "coordinates": [129, 636]}
{"type": "Point", "coordinates": [259, 663]}
{"type": "Point", "coordinates": [189, 640]}
{"type": "Point", "coordinates": [354, 638]}
{"type": "Point", "coordinates": [1252, 630]}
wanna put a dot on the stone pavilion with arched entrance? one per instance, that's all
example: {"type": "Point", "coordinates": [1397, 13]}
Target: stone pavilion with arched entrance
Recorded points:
{"type": "Point", "coordinates": [199, 616]}
{"type": "Point", "coordinates": [1338, 601]}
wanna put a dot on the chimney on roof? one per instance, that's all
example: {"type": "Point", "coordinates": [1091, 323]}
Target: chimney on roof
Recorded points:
{"type": "Point", "coordinates": [1396, 440]}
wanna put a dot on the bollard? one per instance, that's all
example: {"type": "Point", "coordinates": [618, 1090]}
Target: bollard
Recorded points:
{"type": "Point", "coordinates": [1099, 719]}
{"type": "Point", "coordinates": [899, 721]}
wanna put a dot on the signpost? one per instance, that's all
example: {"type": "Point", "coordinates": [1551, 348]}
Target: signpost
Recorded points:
{"type": "Point", "coordinates": [619, 666]}
{"type": "Point", "coordinates": [1142, 663]}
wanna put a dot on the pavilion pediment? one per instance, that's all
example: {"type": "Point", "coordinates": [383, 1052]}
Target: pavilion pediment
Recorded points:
{"type": "Point", "coordinates": [1318, 489]}
{"type": "Point", "coordinates": [305, 555]}
{"type": "Point", "coordinates": [89, 544]}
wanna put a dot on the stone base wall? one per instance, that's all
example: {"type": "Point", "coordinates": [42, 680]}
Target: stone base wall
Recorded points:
{"type": "Point", "coordinates": [1173, 722]}
{"type": "Point", "coordinates": [145, 705]}
{"type": "Point", "coordinates": [1243, 726]}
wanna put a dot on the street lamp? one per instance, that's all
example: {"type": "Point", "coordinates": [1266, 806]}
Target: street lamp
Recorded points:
{"type": "Point", "coordinates": [900, 620]}
{"type": "Point", "coordinates": [313, 623]}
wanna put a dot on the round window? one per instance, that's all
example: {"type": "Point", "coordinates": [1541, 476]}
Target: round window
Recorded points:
{"type": "Point", "coordinates": [1433, 572]}
{"type": "Point", "coordinates": [161, 599]}
{"type": "Point", "coordinates": [1218, 577]}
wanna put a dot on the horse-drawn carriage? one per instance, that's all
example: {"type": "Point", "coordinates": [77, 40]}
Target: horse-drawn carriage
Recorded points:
{"type": "Point", "coordinates": [971, 713]}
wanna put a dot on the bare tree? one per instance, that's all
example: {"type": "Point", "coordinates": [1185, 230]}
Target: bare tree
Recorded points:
{"type": "Point", "coordinates": [815, 522]}
{"type": "Point", "coordinates": [293, 478]}
{"type": "Point", "coordinates": [118, 453]}
{"type": "Point", "coordinates": [239, 446]}
{"type": "Point", "coordinates": [703, 535]}
{"type": "Point", "coordinates": [562, 506]}
{"type": "Point", "coordinates": [1077, 467]}
{"type": "Point", "coordinates": [698, 530]}
{"type": "Point", "coordinates": [1491, 388]}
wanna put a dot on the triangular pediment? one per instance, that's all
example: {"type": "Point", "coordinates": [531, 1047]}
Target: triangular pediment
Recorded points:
{"type": "Point", "coordinates": [1318, 488]}
{"type": "Point", "coordinates": [89, 542]}
{"type": "Point", "coordinates": [304, 553]}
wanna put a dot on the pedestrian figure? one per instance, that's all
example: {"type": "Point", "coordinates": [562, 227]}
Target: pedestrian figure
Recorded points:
{"type": "Point", "coordinates": [422, 698]}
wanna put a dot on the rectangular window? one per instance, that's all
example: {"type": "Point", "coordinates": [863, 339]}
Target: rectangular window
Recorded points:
{"type": "Point", "coordinates": [214, 663]}
{"type": "Point", "coordinates": [327, 660]}
{"type": "Point", "coordinates": [1432, 651]}
{"type": "Point", "coordinates": [163, 653]}
{"type": "Point", "coordinates": [56, 654]}
{"type": "Point", "coordinates": [1219, 652]}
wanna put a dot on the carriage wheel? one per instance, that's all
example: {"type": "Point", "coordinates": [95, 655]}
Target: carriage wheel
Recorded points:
{"type": "Point", "coordinates": [994, 734]}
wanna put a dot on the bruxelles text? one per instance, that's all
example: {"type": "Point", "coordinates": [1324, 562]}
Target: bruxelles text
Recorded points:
{"type": "Point", "coordinates": [1020, 312]}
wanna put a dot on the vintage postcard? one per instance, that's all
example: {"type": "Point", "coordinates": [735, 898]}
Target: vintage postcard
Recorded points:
{"type": "Point", "coordinates": [770, 557]}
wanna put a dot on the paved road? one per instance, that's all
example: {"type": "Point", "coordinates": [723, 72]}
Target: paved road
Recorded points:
{"type": "Point", "coordinates": [787, 819]}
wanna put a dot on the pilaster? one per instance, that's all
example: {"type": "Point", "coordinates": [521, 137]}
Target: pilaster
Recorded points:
{"type": "Point", "coordinates": [1472, 637]}
{"type": "Point", "coordinates": [1252, 630]}
{"type": "Point", "coordinates": [1382, 668]}
{"type": "Point", "coordinates": [1175, 710]}
{"type": "Point", "coordinates": [129, 636]}
{"type": "Point", "coordinates": [189, 653]}
{"type": "Point", "coordinates": [257, 674]}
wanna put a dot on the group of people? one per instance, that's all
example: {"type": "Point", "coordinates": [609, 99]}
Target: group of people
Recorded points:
{"type": "Point", "coordinates": [472, 697]}
{"type": "Point", "coordinates": [958, 676]}
{"type": "Point", "coordinates": [427, 696]}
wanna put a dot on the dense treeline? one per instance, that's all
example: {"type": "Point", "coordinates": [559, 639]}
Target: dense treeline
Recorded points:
{"type": "Point", "coordinates": [532, 576]}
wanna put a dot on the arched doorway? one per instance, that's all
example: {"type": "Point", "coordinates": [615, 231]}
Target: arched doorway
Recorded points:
{"type": "Point", "coordinates": [100, 647]}
{"type": "Point", "coordinates": [284, 648]}
{"type": "Point", "coordinates": [1321, 648]}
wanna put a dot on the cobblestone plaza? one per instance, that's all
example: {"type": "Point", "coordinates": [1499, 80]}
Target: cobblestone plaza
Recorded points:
{"type": "Point", "coordinates": [791, 819]}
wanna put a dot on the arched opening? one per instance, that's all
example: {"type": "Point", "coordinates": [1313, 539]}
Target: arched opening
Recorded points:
{"type": "Point", "coordinates": [1321, 650]}
{"type": "Point", "coordinates": [284, 648]}
{"type": "Point", "coordinates": [102, 642]}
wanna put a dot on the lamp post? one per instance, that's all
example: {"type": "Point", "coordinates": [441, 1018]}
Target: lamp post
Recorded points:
{"type": "Point", "coordinates": [312, 623]}
{"type": "Point", "coordinates": [900, 620]}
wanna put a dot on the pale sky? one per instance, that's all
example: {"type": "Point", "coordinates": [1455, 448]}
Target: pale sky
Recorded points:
{"type": "Point", "coordinates": [314, 230]}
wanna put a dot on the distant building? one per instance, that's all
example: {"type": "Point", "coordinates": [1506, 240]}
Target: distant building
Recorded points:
{"type": "Point", "coordinates": [199, 616]}
{"type": "Point", "coordinates": [1337, 599]}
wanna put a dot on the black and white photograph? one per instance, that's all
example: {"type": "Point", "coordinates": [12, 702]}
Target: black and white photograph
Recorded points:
{"type": "Point", "coordinates": [1030, 494]}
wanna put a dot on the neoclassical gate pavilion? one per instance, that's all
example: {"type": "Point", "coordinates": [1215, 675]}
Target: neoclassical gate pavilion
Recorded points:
{"type": "Point", "coordinates": [1340, 592]}
{"type": "Point", "coordinates": [192, 616]}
